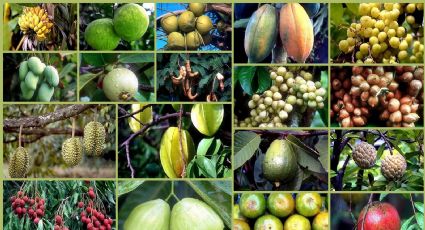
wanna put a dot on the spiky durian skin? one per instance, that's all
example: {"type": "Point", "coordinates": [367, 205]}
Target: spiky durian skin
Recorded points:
{"type": "Point", "coordinates": [19, 163]}
{"type": "Point", "coordinates": [94, 138]}
{"type": "Point", "coordinates": [72, 151]}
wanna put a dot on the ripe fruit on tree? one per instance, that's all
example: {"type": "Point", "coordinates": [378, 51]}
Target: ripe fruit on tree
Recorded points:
{"type": "Point", "coordinates": [378, 216]}
{"type": "Point", "coordinates": [72, 151]}
{"type": "Point", "coordinates": [364, 154]}
{"type": "Point", "coordinates": [308, 203]}
{"type": "Point", "coordinates": [94, 138]}
{"type": "Point", "coordinates": [100, 34]}
{"type": "Point", "coordinates": [252, 205]}
{"type": "Point", "coordinates": [131, 21]}
{"type": "Point", "coordinates": [120, 84]}
{"type": "Point", "coordinates": [19, 163]}
{"type": "Point", "coordinates": [393, 166]}
{"type": "Point", "coordinates": [154, 214]}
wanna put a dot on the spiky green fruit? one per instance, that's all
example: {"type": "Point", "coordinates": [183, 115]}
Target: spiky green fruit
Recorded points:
{"type": "Point", "coordinates": [72, 151]}
{"type": "Point", "coordinates": [19, 163]}
{"type": "Point", "coordinates": [94, 138]}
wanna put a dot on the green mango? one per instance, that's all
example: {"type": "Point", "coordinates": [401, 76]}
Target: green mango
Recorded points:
{"type": "Point", "coordinates": [36, 66]}
{"type": "Point", "coordinates": [26, 92]}
{"type": "Point", "coordinates": [31, 80]}
{"type": "Point", "coordinates": [23, 70]}
{"type": "Point", "coordinates": [45, 92]}
{"type": "Point", "coordinates": [151, 215]}
{"type": "Point", "coordinates": [52, 76]}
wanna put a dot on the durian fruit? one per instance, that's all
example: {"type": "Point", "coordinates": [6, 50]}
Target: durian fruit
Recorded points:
{"type": "Point", "coordinates": [72, 151]}
{"type": "Point", "coordinates": [19, 163]}
{"type": "Point", "coordinates": [364, 154]}
{"type": "Point", "coordinates": [94, 138]}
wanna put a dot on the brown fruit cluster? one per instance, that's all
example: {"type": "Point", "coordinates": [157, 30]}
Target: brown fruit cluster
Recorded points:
{"type": "Point", "coordinates": [395, 93]}
{"type": "Point", "coordinates": [27, 207]}
{"type": "Point", "coordinates": [91, 215]}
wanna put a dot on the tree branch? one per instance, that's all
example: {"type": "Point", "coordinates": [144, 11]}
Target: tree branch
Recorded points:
{"type": "Point", "coordinates": [45, 119]}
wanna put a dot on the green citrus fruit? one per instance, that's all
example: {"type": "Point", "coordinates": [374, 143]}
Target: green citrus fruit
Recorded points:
{"type": "Point", "coordinates": [297, 222]}
{"type": "Point", "coordinates": [308, 203]}
{"type": "Point", "coordinates": [281, 204]}
{"type": "Point", "coordinates": [237, 213]}
{"type": "Point", "coordinates": [100, 34]}
{"type": "Point", "coordinates": [252, 205]}
{"type": "Point", "coordinates": [268, 222]}
{"type": "Point", "coordinates": [240, 225]}
{"type": "Point", "coordinates": [197, 8]}
{"type": "Point", "coordinates": [321, 221]}
{"type": "Point", "coordinates": [131, 21]}
{"type": "Point", "coordinates": [120, 84]}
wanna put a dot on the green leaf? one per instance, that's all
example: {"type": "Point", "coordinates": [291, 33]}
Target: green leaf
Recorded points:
{"type": "Point", "coordinates": [67, 69]}
{"type": "Point", "coordinates": [206, 166]}
{"type": "Point", "coordinates": [420, 207]}
{"type": "Point", "coordinates": [207, 118]}
{"type": "Point", "coordinates": [204, 145]}
{"type": "Point", "coordinates": [245, 74]}
{"type": "Point", "coordinates": [307, 157]}
{"type": "Point", "coordinates": [93, 59]}
{"type": "Point", "coordinates": [136, 58]}
{"type": "Point", "coordinates": [264, 81]}
{"type": "Point", "coordinates": [337, 12]}
{"type": "Point", "coordinates": [241, 23]}
{"type": "Point", "coordinates": [245, 146]}
{"type": "Point", "coordinates": [353, 7]}
{"type": "Point", "coordinates": [420, 219]}
{"type": "Point", "coordinates": [128, 186]}
{"type": "Point", "coordinates": [406, 223]}
{"type": "Point", "coordinates": [84, 79]}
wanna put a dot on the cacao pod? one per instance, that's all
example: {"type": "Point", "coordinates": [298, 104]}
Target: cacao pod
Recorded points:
{"type": "Point", "coordinates": [175, 41]}
{"type": "Point", "coordinates": [169, 23]}
{"type": "Point", "coordinates": [52, 76]}
{"type": "Point", "coordinates": [204, 24]}
{"type": "Point", "coordinates": [45, 92]}
{"type": "Point", "coordinates": [31, 80]}
{"type": "Point", "coordinates": [193, 214]}
{"type": "Point", "coordinates": [145, 117]}
{"type": "Point", "coordinates": [186, 21]}
{"type": "Point", "coordinates": [35, 65]}
{"type": "Point", "coordinates": [170, 154]}
{"type": "Point", "coordinates": [260, 33]}
{"type": "Point", "coordinates": [72, 151]}
{"type": "Point", "coordinates": [280, 162]}
{"type": "Point", "coordinates": [296, 31]}
{"type": "Point", "coordinates": [23, 70]}
{"type": "Point", "coordinates": [151, 215]}
{"type": "Point", "coordinates": [19, 163]}
{"type": "Point", "coordinates": [94, 138]}
{"type": "Point", "coordinates": [207, 118]}
{"type": "Point", "coordinates": [197, 8]}
{"type": "Point", "coordinates": [27, 93]}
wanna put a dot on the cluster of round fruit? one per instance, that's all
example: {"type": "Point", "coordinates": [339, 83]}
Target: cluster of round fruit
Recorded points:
{"type": "Point", "coordinates": [59, 223]}
{"type": "Point", "coordinates": [30, 72]}
{"type": "Point", "coordinates": [396, 93]}
{"type": "Point", "coordinates": [305, 212]}
{"type": "Point", "coordinates": [293, 91]}
{"type": "Point", "coordinates": [379, 36]}
{"type": "Point", "coordinates": [393, 166]}
{"type": "Point", "coordinates": [130, 22]}
{"type": "Point", "coordinates": [34, 21]}
{"type": "Point", "coordinates": [93, 218]}
{"type": "Point", "coordinates": [189, 30]}
{"type": "Point", "coordinates": [94, 139]}
{"type": "Point", "coordinates": [24, 206]}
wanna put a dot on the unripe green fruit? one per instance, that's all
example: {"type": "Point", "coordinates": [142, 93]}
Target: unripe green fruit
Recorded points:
{"type": "Point", "coordinates": [312, 104]}
{"type": "Point", "coordinates": [19, 163]}
{"type": "Point", "coordinates": [45, 92]}
{"type": "Point", "coordinates": [100, 34]}
{"type": "Point", "coordinates": [186, 21]}
{"type": "Point", "coordinates": [35, 65]}
{"type": "Point", "coordinates": [281, 71]}
{"type": "Point", "coordinates": [280, 162]}
{"type": "Point", "coordinates": [175, 41]}
{"type": "Point", "coordinates": [120, 84]}
{"type": "Point", "coordinates": [131, 21]}
{"type": "Point", "coordinates": [268, 93]}
{"type": "Point", "coordinates": [193, 214]}
{"type": "Point", "coordinates": [72, 151]}
{"type": "Point", "coordinates": [197, 8]}
{"type": "Point", "coordinates": [94, 138]}
{"type": "Point", "coordinates": [281, 204]}
{"type": "Point", "coordinates": [193, 40]}
{"type": "Point", "coordinates": [291, 100]}
{"type": "Point", "coordinates": [154, 214]}
{"type": "Point", "coordinates": [169, 24]}
{"type": "Point", "coordinates": [27, 93]}
{"type": "Point", "coordinates": [31, 80]}
{"type": "Point", "coordinates": [204, 24]}
{"type": "Point", "coordinates": [297, 222]}
{"type": "Point", "coordinates": [23, 70]}
{"type": "Point", "coordinates": [268, 222]}
{"type": "Point", "coordinates": [51, 75]}
{"type": "Point", "coordinates": [308, 204]}
{"type": "Point", "coordinates": [274, 89]}
{"type": "Point", "coordinates": [283, 115]}
{"type": "Point", "coordinates": [252, 205]}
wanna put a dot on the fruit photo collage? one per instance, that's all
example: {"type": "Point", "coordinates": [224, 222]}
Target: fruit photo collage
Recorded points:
{"type": "Point", "coordinates": [212, 116]}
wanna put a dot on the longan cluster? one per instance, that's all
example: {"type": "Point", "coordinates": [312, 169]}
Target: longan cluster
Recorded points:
{"type": "Point", "coordinates": [379, 36]}
{"type": "Point", "coordinates": [91, 215]}
{"type": "Point", "coordinates": [395, 93]}
{"type": "Point", "coordinates": [24, 206]}
{"type": "Point", "coordinates": [292, 90]}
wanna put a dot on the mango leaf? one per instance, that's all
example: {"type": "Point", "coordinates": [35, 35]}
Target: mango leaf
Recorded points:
{"type": "Point", "coordinates": [207, 118]}
{"type": "Point", "coordinates": [307, 157]}
{"type": "Point", "coordinates": [211, 193]}
{"type": "Point", "coordinates": [246, 143]}
{"type": "Point", "coordinates": [128, 186]}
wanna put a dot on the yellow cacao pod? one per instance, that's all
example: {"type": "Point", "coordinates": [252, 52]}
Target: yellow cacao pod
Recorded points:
{"type": "Point", "coordinates": [260, 33]}
{"type": "Point", "coordinates": [170, 151]}
{"type": "Point", "coordinates": [296, 31]}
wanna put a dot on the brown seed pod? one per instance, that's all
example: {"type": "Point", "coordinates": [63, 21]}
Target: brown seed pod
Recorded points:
{"type": "Point", "coordinates": [396, 117]}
